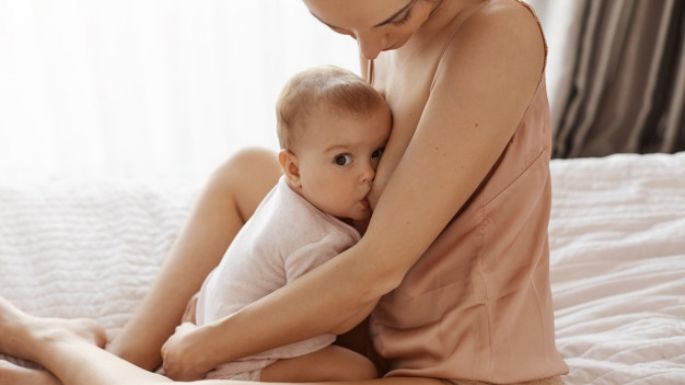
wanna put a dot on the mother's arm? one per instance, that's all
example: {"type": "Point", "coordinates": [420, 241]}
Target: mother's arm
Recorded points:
{"type": "Point", "coordinates": [483, 85]}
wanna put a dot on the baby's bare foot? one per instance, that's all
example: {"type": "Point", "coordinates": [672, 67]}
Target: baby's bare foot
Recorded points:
{"type": "Point", "coordinates": [11, 374]}
{"type": "Point", "coordinates": [21, 334]}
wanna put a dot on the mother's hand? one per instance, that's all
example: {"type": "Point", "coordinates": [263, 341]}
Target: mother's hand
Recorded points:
{"type": "Point", "coordinates": [184, 358]}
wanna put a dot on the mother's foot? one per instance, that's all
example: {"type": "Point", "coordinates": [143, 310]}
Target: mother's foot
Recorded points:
{"type": "Point", "coordinates": [11, 374]}
{"type": "Point", "coordinates": [21, 334]}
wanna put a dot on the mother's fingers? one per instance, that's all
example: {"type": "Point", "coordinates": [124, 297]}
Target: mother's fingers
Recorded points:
{"type": "Point", "coordinates": [177, 361]}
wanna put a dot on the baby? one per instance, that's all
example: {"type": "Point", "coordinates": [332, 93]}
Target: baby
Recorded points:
{"type": "Point", "coordinates": [332, 128]}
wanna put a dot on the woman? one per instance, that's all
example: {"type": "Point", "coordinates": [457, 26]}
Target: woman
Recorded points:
{"type": "Point", "coordinates": [455, 255]}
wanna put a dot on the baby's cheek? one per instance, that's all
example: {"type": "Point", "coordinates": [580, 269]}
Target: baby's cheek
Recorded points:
{"type": "Point", "coordinates": [327, 194]}
{"type": "Point", "coordinates": [339, 200]}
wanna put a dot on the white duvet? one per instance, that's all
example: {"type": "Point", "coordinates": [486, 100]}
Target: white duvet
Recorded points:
{"type": "Point", "coordinates": [73, 248]}
{"type": "Point", "coordinates": [617, 237]}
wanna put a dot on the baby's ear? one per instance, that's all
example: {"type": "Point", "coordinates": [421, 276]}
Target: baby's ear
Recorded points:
{"type": "Point", "coordinates": [290, 167]}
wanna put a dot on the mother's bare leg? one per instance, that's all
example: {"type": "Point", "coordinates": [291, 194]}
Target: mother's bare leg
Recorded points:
{"type": "Point", "coordinates": [11, 374]}
{"type": "Point", "coordinates": [68, 349]}
{"type": "Point", "coordinates": [229, 199]}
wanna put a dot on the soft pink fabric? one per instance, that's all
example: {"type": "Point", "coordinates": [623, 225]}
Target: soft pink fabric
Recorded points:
{"type": "Point", "coordinates": [477, 305]}
{"type": "Point", "coordinates": [285, 238]}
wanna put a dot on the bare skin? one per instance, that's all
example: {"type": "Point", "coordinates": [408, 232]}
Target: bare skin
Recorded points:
{"type": "Point", "coordinates": [70, 351]}
{"type": "Point", "coordinates": [450, 127]}
{"type": "Point", "coordinates": [14, 323]}
{"type": "Point", "coordinates": [16, 326]}
{"type": "Point", "coordinates": [332, 363]}
{"type": "Point", "coordinates": [231, 196]}
{"type": "Point", "coordinates": [11, 374]}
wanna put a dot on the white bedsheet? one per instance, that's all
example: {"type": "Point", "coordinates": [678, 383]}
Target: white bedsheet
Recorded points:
{"type": "Point", "coordinates": [618, 268]}
{"type": "Point", "coordinates": [75, 248]}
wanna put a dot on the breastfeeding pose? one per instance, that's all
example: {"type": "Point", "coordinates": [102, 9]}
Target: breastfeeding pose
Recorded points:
{"type": "Point", "coordinates": [452, 273]}
{"type": "Point", "coordinates": [332, 127]}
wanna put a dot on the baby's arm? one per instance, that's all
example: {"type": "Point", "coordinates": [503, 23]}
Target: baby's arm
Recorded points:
{"type": "Point", "coordinates": [332, 363]}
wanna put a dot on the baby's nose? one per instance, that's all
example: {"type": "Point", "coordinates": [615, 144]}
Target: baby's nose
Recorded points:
{"type": "Point", "coordinates": [368, 173]}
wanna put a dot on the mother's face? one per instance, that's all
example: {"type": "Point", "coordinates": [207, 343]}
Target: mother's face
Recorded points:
{"type": "Point", "coordinates": [377, 25]}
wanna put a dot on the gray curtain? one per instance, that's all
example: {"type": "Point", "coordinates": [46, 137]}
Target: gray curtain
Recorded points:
{"type": "Point", "coordinates": [624, 90]}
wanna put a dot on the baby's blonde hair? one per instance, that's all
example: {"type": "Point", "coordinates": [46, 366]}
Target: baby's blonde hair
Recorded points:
{"type": "Point", "coordinates": [325, 86]}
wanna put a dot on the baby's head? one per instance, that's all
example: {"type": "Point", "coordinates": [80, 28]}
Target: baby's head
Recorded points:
{"type": "Point", "coordinates": [332, 127]}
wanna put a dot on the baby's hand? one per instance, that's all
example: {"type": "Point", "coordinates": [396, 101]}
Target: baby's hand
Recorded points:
{"type": "Point", "coordinates": [182, 356]}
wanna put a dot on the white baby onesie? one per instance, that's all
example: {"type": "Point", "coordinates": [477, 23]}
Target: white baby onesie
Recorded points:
{"type": "Point", "coordinates": [285, 238]}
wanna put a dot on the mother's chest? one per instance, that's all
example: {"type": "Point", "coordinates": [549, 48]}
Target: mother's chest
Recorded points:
{"type": "Point", "coordinates": [406, 86]}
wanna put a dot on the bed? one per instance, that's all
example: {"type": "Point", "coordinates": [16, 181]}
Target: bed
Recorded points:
{"type": "Point", "coordinates": [91, 248]}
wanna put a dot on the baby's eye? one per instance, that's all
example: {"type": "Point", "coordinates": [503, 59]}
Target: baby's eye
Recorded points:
{"type": "Point", "coordinates": [378, 153]}
{"type": "Point", "coordinates": [343, 159]}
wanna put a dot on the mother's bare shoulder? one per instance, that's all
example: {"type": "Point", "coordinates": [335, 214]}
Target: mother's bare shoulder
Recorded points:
{"type": "Point", "coordinates": [507, 23]}
{"type": "Point", "coordinates": [495, 58]}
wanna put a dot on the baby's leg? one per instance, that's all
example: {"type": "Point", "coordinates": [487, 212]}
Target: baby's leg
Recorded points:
{"type": "Point", "coordinates": [333, 363]}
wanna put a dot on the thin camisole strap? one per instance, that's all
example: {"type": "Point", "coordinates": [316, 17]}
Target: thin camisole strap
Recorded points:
{"type": "Point", "coordinates": [369, 63]}
{"type": "Point", "coordinates": [369, 71]}
{"type": "Point", "coordinates": [542, 32]}
{"type": "Point", "coordinates": [537, 20]}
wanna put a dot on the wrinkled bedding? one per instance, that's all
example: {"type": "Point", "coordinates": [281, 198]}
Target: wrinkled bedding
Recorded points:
{"type": "Point", "coordinates": [617, 238]}
{"type": "Point", "coordinates": [91, 248]}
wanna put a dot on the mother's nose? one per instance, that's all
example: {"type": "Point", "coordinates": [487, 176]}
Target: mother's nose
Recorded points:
{"type": "Point", "coordinates": [370, 45]}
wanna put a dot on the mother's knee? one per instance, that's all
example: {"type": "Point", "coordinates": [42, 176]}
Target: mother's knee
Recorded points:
{"type": "Point", "coordinates": [249, 174]}
{"type": "Point", "coordinates": [247, 165]}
